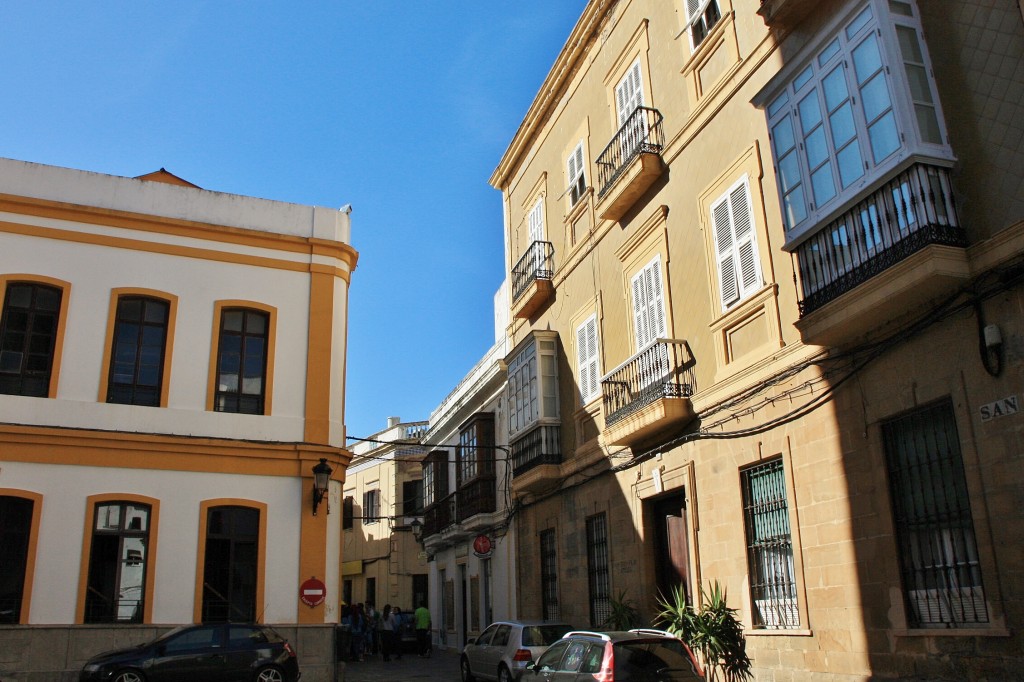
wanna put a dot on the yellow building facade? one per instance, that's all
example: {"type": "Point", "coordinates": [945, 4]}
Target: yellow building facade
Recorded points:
{"type": "Point", "coordinates": [766, 278]}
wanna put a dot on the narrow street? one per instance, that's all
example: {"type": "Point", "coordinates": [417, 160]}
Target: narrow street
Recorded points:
{"type": "Point", "coordinates": [443, 665]}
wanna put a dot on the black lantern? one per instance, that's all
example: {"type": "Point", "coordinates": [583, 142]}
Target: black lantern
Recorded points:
{"type": "Point", "coordinates": [321, 477]}
{"type": "Point", "coordinates": [417, 530]}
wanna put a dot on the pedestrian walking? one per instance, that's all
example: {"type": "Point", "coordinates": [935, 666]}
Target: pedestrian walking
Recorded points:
{"type": "Point", "coordinates": [396, 630]}
{"type": "Point", "coordinates": [386, 632]}
{"type": "Point", "coordinates": [422, 617]}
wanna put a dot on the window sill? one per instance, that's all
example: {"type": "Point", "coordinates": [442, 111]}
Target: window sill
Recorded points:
{"type": "Point", "coordinates": [780, 632]}
{"type": "Point", "coordinates": [707, 46]}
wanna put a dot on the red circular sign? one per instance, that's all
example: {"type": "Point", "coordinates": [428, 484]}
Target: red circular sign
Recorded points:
{"type": "Point", "coordinates": [482, 545]}
{"type": "Point", "coordinates": [312, 592]}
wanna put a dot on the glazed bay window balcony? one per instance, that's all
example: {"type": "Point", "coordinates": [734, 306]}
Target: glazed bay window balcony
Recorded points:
{"type": "Point", "coordinates": [630, 163]}
{"type": "Point", "coordinates": [536, 457]}
{"type": "Point", "coordinates": [909, 219]}
{"type": "Point", "coordinates": [861, 159]}
{"type": "Point", "coordinates": [439, 516]}
{"type": "Point", "coordinates": [531, 279]}
{"type": "Point", "coordinates": [476, 498]}
{"type": "Point", "coordinates": [649, 393]}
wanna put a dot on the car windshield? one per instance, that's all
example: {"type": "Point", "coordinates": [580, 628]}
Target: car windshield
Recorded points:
{"type": "Point", "coordinates": [543, 635]}
{"type": "Point", "coordinates": [664, 659]}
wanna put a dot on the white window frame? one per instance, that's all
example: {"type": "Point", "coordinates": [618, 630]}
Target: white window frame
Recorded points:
{"type": "Point", "coordinates": [648, 297]}
{"type": "Point", "coordinates": [532, 392]}
{"type": "Point", "coordinates": [536, 221]}
{"type": "Point", "coordinates": [629, 93]}
{"type": "Point", "coordinates": [701, 17]}
{"type": "Point", "coordinates": [574, 170]}
{"type": "Point", "coordinates": [797, 154]}
{"type": "Point", "coordinates": [736, 254]}
{"type": "Point", "coordinates": [588, 362]}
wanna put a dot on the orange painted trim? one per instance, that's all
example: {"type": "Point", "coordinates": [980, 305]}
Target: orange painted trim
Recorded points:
{"type": "Point", "coordinates": [62, 316]}
{"type": "Point", "coordinates": [342, 252]}
{"type": "Point", "coordinates": [268, 377]}
{"type": "Point", "coordinates": [33, 545]}
{"type": "Point", "coordinates": [238, 236]}
{"type": "Point", "coordinates": [83, 572]}
{"type": "Point", "coordinates": [320, 343]}
{"type": "Point", "coordinates": [52, 445]}
{"type": "Point", "coordinates": [172, 315]}
{"type": "Point", "coordinates": [261, 553]}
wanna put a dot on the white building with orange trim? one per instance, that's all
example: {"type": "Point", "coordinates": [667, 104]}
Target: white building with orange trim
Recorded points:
{"type": "Point", "coordinates": [172, 368]}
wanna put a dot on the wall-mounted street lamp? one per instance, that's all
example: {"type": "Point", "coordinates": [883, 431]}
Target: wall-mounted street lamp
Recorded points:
{"type": "Point", "coordinates": [321, 478]}
{"type": "Point", "coordinates": [417, 530]}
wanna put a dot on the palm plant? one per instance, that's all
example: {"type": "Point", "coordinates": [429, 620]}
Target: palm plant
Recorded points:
{"type": "Point", "coordinates": [714, 632]}
{"type": "Point", "coordinates": [624, 614]}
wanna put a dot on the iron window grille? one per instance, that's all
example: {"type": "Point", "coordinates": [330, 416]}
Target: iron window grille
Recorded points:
{"type": "Point", "coordinates": [769, 547]}
{"type": "Point", "coordinates": [549, 575]}
{"type": "Point", "coordinates": [937, 549]}
{"type": "Point", "coordinates": [599, 579]}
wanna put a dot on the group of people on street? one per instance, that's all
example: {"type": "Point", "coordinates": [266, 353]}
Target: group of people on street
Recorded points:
{"type": "Point", "coordinates": [373, 632]}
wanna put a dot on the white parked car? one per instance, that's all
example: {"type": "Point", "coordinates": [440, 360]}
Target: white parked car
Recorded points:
{"type": "Point", "coordinates": [502, 651]}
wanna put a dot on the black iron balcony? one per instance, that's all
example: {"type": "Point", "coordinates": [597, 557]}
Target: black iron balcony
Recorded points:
{"type": "Point", "coordinates": [536, 264]}
{"type": "Point", "coordinates": [641, 134]}
{"type": "Point", "coordinates": [661, 372]}
{"type": "Point", "coordinates": [910, 212]}
{"type": "Point", "coordinates": [476, 497]}
{"type": "Point", "coordinates": [539, 446]}
{"type": "Point", "coordinates": [630, 163]}
{"type": "Point", "coordinates": [439, 515]}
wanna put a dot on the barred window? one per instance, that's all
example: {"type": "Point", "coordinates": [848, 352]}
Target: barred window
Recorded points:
{"type": "Point", "coordinates": [769, 546]}
{"type": "Point", "coordinates": [937, 550]}
{"type": "Point", "coordinates": [597, 570]}
{"type": "Point", "coordinates": [549, 575]}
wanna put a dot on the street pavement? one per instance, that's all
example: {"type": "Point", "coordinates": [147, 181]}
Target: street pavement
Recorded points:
{"type": "Point", "coordinates": [442, 666]}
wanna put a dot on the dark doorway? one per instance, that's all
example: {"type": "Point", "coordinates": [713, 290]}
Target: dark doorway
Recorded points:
{"type": "Point", "coordinates": [15, 528]}
{"type": "Point", "coordinates": [419, 590]}
{"type": "Point", "coordinates": [671, 545]}
{"type": "Point", "coordinates": [229, 573]}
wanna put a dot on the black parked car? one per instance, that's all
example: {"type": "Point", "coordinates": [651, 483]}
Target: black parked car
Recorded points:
{"type": "Point", "coordinates": [226, 652]}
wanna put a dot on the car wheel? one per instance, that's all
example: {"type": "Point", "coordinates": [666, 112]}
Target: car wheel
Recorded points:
{"type": "Point", "coordinates": [467, 673]}
{"type": "Point", "coordinates": [504, 675]}
{"type": "Point", "coordinates": [129, 676]}
{"type": "Point", "coordinates": [269, 674]}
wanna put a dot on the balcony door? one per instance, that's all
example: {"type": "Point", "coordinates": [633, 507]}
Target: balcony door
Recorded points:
{"type": "Point", "coordinates": [650, 325]}
{"type": "Point", "coordinates": [629, 95]}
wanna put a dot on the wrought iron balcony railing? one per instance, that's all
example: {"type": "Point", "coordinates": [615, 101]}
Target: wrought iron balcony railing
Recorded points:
{"type": "Point", "coordinates": [664, 369]}
{"type": "Point", "coordinates": [539, 446]}
{"type": "Point", "coordinates": [536, 263]}
{"type": "Point", "coordinates": [909, 212]}
{"type": "Point", "coordinates": [476, 497]}
{"type": "Point", "coordinates": [641, 134]}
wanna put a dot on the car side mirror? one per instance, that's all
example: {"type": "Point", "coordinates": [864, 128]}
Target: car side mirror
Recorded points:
{"type": "Point", "coordinates": [471, 640]}
{"type": "Point", "coordinates": [532, 665]}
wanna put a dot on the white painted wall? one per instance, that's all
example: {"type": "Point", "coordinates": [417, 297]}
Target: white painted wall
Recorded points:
{"type": "Point", "coordinates": [58, 558]}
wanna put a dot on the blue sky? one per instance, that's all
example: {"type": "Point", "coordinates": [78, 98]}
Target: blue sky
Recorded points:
{"type": "Point", "coordinates": [401, 108]}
